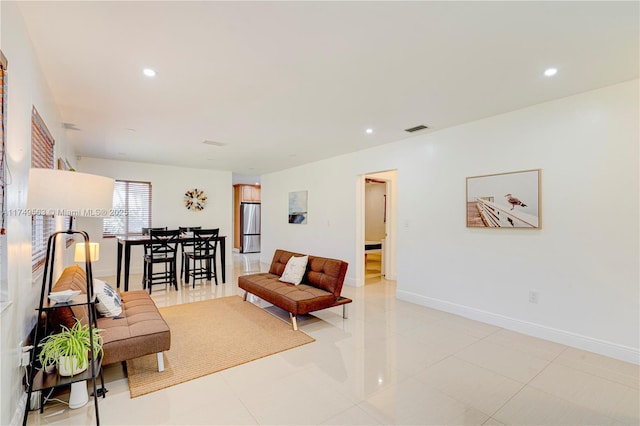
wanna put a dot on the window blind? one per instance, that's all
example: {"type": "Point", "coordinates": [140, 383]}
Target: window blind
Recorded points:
{"type": "Point", "coordinates": [41, 157]}
{"type": "Point", "coordinates": [4, 291]}
{"type": "Point", "coordinates": [132, 207]}
{"type": "Point", "coordinates": [3, 157]}
{"type": "Point", "coordinates": [2, 151]}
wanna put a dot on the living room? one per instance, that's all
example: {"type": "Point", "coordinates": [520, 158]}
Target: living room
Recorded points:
{"type": "Point", "coordinates": [582, 262]}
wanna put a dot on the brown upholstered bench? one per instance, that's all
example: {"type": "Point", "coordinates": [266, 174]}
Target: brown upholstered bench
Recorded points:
{"type": "Point", "coordinates": [139, 330]}
{"type": "Point", "coordinates": [320, 287]}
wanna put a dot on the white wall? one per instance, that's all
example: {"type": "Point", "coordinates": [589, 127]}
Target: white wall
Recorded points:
{"type": "Point", "coordinates": [583, 262]}
{"type": "Point", "coordinates": [168, 185]}
{"type": "Point", "coordinates": [26, 88]}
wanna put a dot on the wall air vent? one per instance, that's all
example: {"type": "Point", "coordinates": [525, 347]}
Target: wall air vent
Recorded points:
{"type": "Point", "coordinates": [214, 143]}
{"type": "Point", "coordinates": [416, 128]}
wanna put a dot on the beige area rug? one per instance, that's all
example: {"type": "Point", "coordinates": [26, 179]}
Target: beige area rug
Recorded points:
{"type": "Point", "coordinates": [210, 336]}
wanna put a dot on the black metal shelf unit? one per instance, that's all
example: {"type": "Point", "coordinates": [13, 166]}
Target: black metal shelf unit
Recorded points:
{"type": "Point", "coordinates": [38, 379]}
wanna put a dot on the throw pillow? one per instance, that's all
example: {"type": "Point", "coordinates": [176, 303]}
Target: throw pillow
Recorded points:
{"type": "Point", "coordinates": [294, 270]}
{"type": "Point", "coordinates": [108, 301]}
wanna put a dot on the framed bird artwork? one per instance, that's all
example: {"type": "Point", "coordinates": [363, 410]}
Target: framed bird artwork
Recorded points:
{"type": "Point", "coordinates": [504, 200]}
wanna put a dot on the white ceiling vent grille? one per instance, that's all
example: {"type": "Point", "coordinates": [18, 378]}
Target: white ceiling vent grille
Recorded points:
{"type": "Point", "coordinates": [70, 126]}
{"type": "Point", "coordinates": [416, 128]}
{"type": "Point", "coordinates": [214, 143]}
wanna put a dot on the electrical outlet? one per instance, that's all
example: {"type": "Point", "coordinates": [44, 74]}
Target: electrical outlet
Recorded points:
{"type": "Point", "coordinates": [534, 296]}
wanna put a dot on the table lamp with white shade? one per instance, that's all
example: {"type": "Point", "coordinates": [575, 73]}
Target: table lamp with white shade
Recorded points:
{"type": "Point", "coordinates": [80, 252]}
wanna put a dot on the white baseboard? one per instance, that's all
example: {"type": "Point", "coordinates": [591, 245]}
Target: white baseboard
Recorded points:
{"type": "Point", "coordinates": [350, 281]}
{"type": "Point", "coordinates": [602, 347]}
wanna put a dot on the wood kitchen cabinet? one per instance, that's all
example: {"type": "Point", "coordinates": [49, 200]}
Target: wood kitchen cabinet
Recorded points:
{"type": "Point", "coordinates": [242, 193]}
{"type": "Point", "coordinates": [249, 193]}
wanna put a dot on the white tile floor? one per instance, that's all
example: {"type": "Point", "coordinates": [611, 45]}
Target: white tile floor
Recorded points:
{"type": "Point", "coordinates": [391, 362]}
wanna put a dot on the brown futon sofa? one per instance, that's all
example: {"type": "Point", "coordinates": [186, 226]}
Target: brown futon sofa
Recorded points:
{"type": "Point", "coordinates": [139, 330]}
{"type": "Point", "coordinates": [320, 287]}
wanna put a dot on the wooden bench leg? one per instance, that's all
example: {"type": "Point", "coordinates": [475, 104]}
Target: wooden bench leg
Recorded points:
{"type": "Point", "coordinates": [345, 311]}
{"type": "Point", "coordinates": [294, 322]}
{"type": "Point", "coordinates": [245, 295]}
{"type": "Point", "coordinates": [160, 362]}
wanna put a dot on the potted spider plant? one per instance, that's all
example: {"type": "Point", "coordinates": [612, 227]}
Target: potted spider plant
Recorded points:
{"type": "Point", "coordinates": [69, 349]}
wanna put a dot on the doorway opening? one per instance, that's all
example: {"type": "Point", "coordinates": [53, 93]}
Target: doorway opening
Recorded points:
{"type": "Point", "coordinates": [377, 236]}
{"type": "Point", "coordinates": [375, 218]}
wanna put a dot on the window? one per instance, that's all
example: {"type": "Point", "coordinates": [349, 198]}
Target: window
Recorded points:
{"type": "Point", "coordinates": [41, 157]}
{"type": "Point", "coordinates": [132, 205]}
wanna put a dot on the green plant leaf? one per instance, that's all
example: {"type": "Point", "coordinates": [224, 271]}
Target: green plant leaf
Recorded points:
{"type": "Point", "coordinates": [72, 342]}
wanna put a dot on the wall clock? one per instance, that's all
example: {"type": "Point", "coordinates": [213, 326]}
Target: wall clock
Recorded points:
{"type": "Point", "coordinates": [194, 199]}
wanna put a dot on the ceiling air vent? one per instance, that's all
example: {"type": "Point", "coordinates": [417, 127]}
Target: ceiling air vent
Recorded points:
{"type": "Point", "coordinates": [416, 128]}
{"type": "Point", "coordinates": [214, 143]}
{"type": "Point", "coordinates": [70, 126]}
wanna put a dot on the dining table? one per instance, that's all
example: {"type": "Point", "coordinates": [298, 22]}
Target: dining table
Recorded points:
{"type": "Point", "coordinates": [125, 242]}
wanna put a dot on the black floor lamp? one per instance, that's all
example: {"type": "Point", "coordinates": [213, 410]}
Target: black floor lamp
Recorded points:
{"type": "Point", "coordinates": [66, 193]}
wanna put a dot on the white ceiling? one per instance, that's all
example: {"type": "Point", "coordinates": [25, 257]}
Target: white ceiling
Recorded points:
{"type": "Point", "coordinates": [287, 83]}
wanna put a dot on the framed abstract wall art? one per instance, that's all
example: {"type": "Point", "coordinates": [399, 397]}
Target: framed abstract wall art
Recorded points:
{"type": "Point", "coordinates": [298, 207]}
{"type": "Point", "coordinates": [504, 200]}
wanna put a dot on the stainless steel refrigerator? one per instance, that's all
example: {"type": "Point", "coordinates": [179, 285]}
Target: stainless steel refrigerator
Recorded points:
{"type": "Point", "coordinates": [250, 227]}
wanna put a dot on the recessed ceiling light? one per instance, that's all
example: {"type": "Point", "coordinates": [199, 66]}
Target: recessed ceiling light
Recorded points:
{"type": "Point", "coordinates": [149, 72]}
{"type": "Point", "coordinates": [369, 131]}
{"type": "Point", "coordinates": [550, 72]}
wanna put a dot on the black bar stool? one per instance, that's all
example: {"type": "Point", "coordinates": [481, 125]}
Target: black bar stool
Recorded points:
{"type": "Point", "coordinates": [163, 250]}
{"type": "Point", "coordinates": [203, 256]}
{"type": "Point", "coordinates": [186, 246]}
{"type": "Point", "coordinates": [145, 231]}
